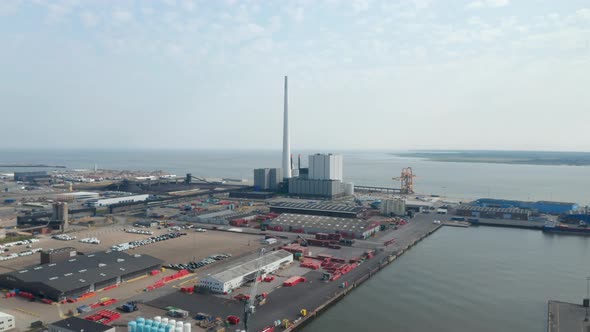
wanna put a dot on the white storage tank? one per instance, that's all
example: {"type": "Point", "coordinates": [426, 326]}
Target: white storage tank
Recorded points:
{"type": "Point", "coordinates": [165, 320]}
{"type": "Point", "coordinates": [349, 188]}
{"type": "Point", "coordinates": [187, 327]}
{"type": "Point", "coordinates": [178, 329]}
{"type": "Point", "coordinates": [158, 319]}
{"type": "Point", "coordinates": [179, 324]}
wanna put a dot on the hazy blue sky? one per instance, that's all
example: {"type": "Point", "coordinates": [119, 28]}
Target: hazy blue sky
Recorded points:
{"type": "Point", "coordinates": [475, 74]}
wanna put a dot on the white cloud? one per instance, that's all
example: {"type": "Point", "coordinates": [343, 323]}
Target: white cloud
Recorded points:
{"type": "Point", "coordinates": [89, 19]}
{"type": "Point", "coordinates": [9, 7]}
{"type": "Point", "coordinates": [188, 5]}
{"type": "Point", "coordinates": [360, 5]}
{"type": "Point", "coordinates": [122, 15]}
{"type": "Point", "coordinates": [478, 4]}
{"type": "Point", "coordinates": [583, 14]}
{"type": "Point", "coordinates": [297, 14]}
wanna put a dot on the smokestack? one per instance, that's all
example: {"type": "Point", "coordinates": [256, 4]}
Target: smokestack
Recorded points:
{"type": "Point", "coordinates": [286, 143]}
{"type": "Point", "coordinates": [299, 161]}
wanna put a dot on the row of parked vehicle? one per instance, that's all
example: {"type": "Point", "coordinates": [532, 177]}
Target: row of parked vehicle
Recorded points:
{"type": "Point", "coordinates": [139, 243]}
{"type": "Point", "coordinates": [91, 240]}
{"type": "Point", "coordinates": [20, 254]}
{"type": "Point", "coordinates": [139, 231]}
{"type": "Point", "coordinates": [17, 243]}
{"type": "Point", "coordinates": [63, 237]}
{"type": "Point", "coordinates": [193, 265]}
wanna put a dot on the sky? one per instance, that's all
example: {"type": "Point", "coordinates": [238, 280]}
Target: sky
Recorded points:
{"type": "Point", "coordinates": [399, 75]}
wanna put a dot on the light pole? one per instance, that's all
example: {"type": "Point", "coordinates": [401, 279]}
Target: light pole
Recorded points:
{"type": "Point", "coordinates": [587, 296]}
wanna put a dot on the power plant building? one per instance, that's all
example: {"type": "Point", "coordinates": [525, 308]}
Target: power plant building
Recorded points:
{"type": "Point", "coordinates": [316, 188]}
{"type": "Point", "coordinates": [267, 179]}
{"type": "Point", "coordinates": [325, 167]}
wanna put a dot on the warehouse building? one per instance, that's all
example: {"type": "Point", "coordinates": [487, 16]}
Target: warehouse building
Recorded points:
{"type": "Point", "coordinates": [253, 195]}
{"type": "Point", "coordinates": [80, 274]}
{"type": "Point", "coordinates": [310, 224]}
{"type": "Point", "coordinates": [319, 209]}
{"type": "Point", "coordinates": [492, 212]}
{"type": "Point", "coordinates": [31, 176]}
{"type": "Point", "coordinates": [116, 200]}
{"type": "Point", "coordinates": [75, 324]}
{"type": "Point", "coordinates": [539, 206]}
{"type": "Point", "coordinates": [234, 277]}
{"type": "Point", "coordinates": [7, 322]}
{"type": "Point", "coordinates": [78, 196]}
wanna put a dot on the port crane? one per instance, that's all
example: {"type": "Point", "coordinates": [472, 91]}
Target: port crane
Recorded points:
{"type": "Point", "coordinates": [407, 180]}
{"type": "Point", "coordinates": [250, 302]}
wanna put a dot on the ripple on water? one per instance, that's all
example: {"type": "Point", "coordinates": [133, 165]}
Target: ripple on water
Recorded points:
{"type": "Point", "coordinates": [477, 279]}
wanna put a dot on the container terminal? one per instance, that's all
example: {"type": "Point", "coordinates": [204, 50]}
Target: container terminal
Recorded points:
{"type": "Point", "coordinates": [152, 251]}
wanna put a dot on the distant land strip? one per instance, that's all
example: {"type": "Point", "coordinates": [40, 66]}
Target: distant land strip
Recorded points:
{"type": "Point", "coordinates": [508, 157]}
{"type": "Point", "coordinates": [32, 165]}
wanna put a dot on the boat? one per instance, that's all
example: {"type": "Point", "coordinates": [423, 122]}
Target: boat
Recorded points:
{"type": "Point", "coordinates": [581, 229]}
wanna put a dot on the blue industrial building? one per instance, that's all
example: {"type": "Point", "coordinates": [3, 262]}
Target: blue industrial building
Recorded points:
{"type": "Point", "coordinates": [576, 218]}
{"type": "Point", "coordinates": [540, 206]}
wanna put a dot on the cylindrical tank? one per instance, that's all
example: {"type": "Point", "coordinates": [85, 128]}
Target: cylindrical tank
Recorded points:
{"type": "Point", "coordinates": [178, 329]}
{"type": "Point", "coordinates": [179, 324]}
{"type": "Point", "coordinates": [148, 322]}
{"type": "Point", "coordinates": [156, 325]}
{"type": "Point", "coordinates": [139, 327]}
{"type": "Point", "coordinates": [154, 328]}
{"type": "Point", "coordinates": [140, 320]}
{"type": "Point", "coordinates": [157, 319]}
{"type": "Point", "coordinates": [131, 326]}
{"type": "Point", "coordinates": [161, 329]}
{"type": "Point", "coordinates": [187, 327]}
{"type": "Point", "coordinates": [172, 322]}
{"type": "Point", "coordinates": [168, 328]}
{"type": "Point", "coordinates": [349, 188]}
{"type": "Point", "coordinates": [165, 320]}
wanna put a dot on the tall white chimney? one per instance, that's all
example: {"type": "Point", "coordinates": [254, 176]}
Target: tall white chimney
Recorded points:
{"type": "Point", "coordinates": [286, 144]}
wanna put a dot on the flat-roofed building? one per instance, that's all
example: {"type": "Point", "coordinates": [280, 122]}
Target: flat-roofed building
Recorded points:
{"type": "Point", "coordinates": [234, 277]}
{"type": "Point", "coordinates": [312, 224]}
{"type": "Point", "coordinates": [321, 209]}
{"type": "Point", "coordinates": [80, 274]}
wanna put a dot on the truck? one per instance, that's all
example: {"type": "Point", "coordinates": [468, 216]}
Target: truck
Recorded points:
{"type": "Point", "coordinates": [129, 307]}
{"type": "Point", "coordinates": [178, 313]}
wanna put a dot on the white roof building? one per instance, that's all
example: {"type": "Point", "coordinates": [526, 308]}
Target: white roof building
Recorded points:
{"type": "Point", "coordinates": [7, 322]}
{"type": "Point", "coordinates": [234, 277]}
{"type": "Point", "coordinates": [117, 200]}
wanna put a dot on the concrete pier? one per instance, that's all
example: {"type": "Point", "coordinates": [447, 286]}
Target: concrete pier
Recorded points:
{"type": "Point", "coordinates": [567, 317]}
